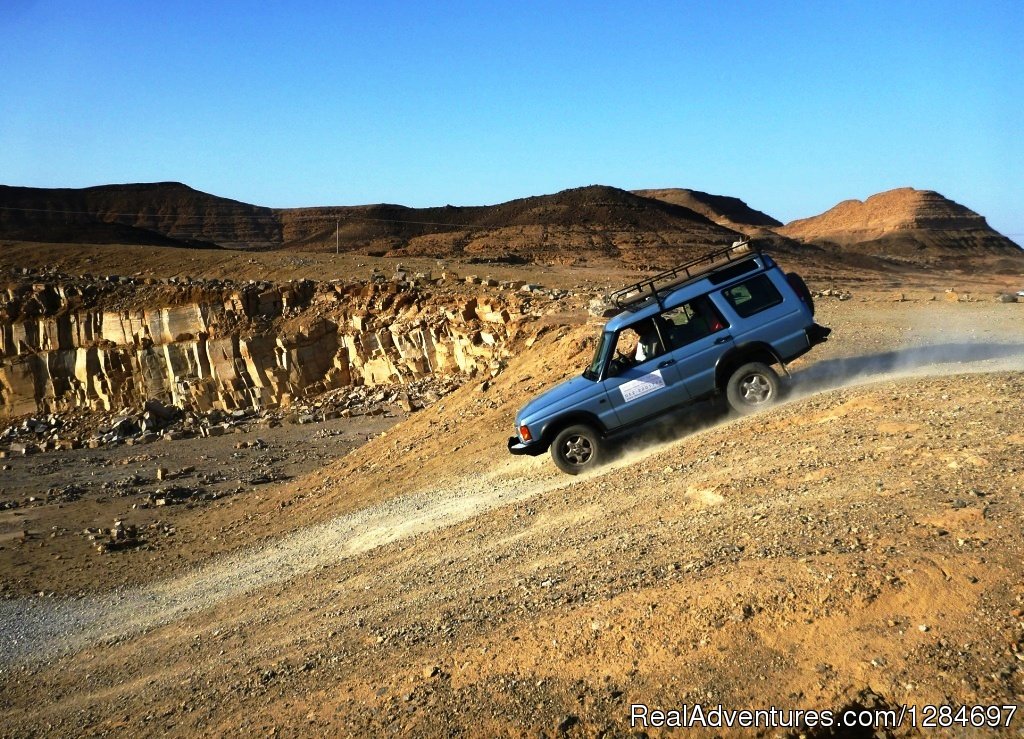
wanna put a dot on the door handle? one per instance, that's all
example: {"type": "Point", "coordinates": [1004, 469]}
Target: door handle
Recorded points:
{"type": "Point", "coordinates": [666, 363]}
{"type": "Point", "coordinates": [723, 339]}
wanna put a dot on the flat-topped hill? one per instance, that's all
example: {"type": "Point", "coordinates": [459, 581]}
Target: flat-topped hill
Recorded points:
{"type": "Point", "coordinates": [161, 213]}
{"type": "Point", "coordinates": [900, 221]}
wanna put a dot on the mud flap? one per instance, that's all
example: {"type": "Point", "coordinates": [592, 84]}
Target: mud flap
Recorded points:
{"type": "Point", "coordinates": [817, 334]}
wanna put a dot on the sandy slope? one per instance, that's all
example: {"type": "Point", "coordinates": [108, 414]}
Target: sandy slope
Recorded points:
{"type": "Point", "coordinates": [429, 584]}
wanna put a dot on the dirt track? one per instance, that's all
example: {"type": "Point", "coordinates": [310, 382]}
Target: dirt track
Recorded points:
{"type": "Point", "coordinates": [789, 559]}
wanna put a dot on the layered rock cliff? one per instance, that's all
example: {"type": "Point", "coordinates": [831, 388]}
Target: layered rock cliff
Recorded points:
{"type": "Point", "coordinates": [903, 220]}
{"type": "Point", "coordinates": [68, 344]}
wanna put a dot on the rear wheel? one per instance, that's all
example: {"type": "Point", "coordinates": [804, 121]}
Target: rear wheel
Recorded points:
{"type": "Point", "coordinates": [577, 449]}
{"type": "Point", "coordinates": [752, 386]}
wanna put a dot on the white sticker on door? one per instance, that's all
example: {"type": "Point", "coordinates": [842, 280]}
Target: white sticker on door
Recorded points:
{"type": "Point", "coordinates": [642, 386]}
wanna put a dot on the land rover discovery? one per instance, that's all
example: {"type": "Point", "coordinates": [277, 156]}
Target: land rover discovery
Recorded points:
{"type": "Point", "coordinates": [714, 326]}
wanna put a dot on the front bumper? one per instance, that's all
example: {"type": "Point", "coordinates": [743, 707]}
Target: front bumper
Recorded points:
{"type": "Point", "coordinates": [517, 447]}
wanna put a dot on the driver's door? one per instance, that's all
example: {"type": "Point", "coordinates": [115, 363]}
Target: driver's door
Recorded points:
{"type": "Point", "coordinates": [642, 388]}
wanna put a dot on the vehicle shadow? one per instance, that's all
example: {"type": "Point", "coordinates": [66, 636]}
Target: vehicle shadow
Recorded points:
{"type": "Point", "coordinates": [830, 374]}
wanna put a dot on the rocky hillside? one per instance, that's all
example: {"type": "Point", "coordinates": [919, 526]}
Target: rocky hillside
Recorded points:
{"type": "Point", "coordinates": [574, 224]}
{"type": "Point", "coordinates": [158, 213]}
{"type": "Point", "coordinates": [903, 222]}
{"type": "Point", "coordinates": [577, 224]}
{"type": "Point", "coordinates": [724, 210]}
{"type": "Point", "coordinates": [594, 224]}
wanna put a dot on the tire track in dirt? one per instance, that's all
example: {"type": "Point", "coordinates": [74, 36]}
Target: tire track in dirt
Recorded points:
{"type": "Point", "coordinates": [41, 629]}
{"type": "Point", "coordinates": [35, 629]}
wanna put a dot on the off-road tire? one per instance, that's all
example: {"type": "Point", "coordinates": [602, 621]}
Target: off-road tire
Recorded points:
{"type": "Point", "coordinates": [801, 289]}
{"type": "Point", "coordinates": [751, 387]}
{"type": "Point", "coordinates": [577, 449]}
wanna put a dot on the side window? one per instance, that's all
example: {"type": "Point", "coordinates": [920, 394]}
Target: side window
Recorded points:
{"type": "Point", "coordinates": [690, 321]}
{"type": "Point", "coordinates": [634, 345]}
{"type": "Point", "coordinates": [753, 296]}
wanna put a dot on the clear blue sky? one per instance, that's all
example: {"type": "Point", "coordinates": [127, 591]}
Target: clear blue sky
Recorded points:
{"type": "Point", "coordinates": [790, 106]}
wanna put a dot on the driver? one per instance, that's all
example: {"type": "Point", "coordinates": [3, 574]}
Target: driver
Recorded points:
{"type": "Point", "coordinates": [649, 345]}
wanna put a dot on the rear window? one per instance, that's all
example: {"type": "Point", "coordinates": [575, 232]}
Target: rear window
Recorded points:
{"type": "Point", "coordinates": [753, 296]}
{"type": "Point", "coordinates": [730, 273]}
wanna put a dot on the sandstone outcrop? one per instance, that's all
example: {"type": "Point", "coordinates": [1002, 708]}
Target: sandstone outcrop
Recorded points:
{"type": "Point", "coordinates": [257, 345]}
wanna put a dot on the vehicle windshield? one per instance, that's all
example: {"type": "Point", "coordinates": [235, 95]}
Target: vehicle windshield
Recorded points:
{"type": "Point", "coordinates": [593, 372]}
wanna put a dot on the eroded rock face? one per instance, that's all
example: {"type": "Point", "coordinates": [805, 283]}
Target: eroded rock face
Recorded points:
{"type": "Point", "coordinates": [904, 211]}
{"type": "Point", "coordinates": [258, 345]}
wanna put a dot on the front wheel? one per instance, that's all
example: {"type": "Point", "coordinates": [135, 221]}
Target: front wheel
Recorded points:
{"type": "Point", "coordinates": [751, 387]}
{"type": "Point", "coordinates": [576, 449]}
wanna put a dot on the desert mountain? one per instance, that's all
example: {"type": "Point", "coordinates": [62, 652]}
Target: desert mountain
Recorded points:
{"type": "Point", "coordinates": [647, 228]}
{"type": "Point", "coordinates": [902, 222]}
{"type": "Point", "coordinates": [161, 213]}
{"type": "Point", "coordinates": [724, 210]}
{"type": "Point", "coordinates": [594, 221]}
{"type": "Point", "coordinates": [575, 224]}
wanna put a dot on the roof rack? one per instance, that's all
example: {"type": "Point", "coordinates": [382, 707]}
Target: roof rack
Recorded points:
{"type": "Point", "coordinates": [656, 287]}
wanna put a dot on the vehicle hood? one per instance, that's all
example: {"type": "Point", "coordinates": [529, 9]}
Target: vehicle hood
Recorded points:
{"type": "Point", "coordinates": [555, 398]}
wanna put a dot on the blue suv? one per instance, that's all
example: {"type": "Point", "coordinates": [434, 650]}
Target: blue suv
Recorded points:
{"type": "Point", "coordinates": [713, 326]}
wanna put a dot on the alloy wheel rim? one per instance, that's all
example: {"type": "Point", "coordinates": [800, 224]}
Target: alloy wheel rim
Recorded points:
{"type": "Point", "coordinates": [578, 450]}
{"type": "Point", "coordinates": [755, 389]}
